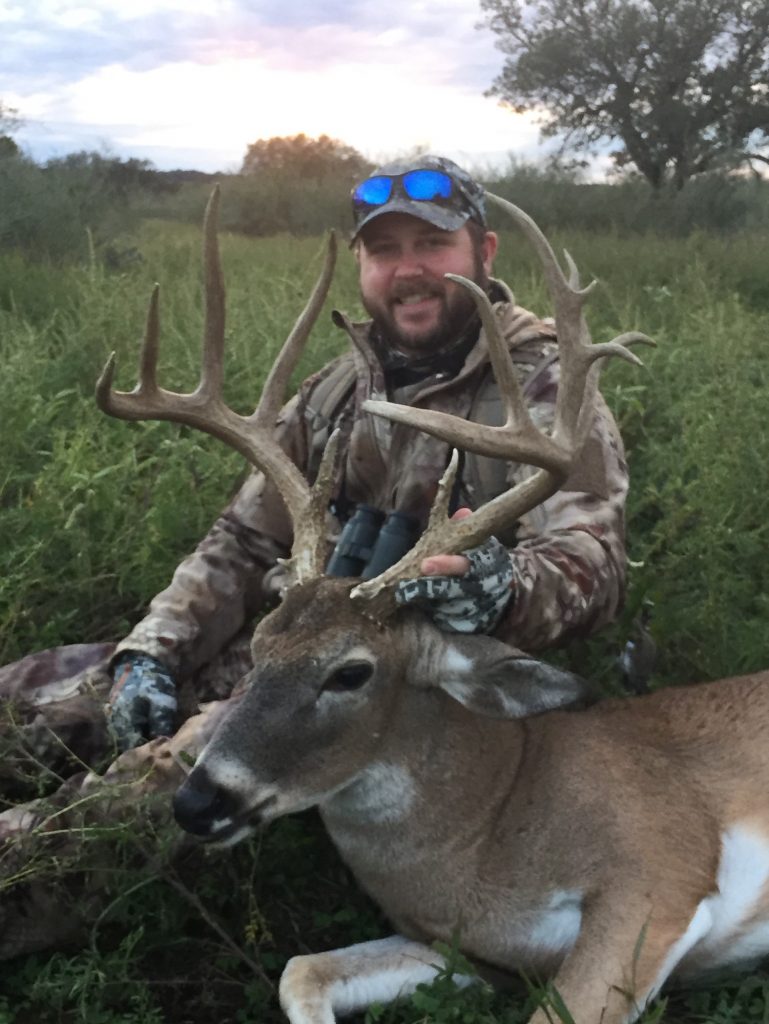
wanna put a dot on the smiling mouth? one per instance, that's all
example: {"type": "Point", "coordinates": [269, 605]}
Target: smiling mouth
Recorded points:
{"type": "Point", "coordinates": [416, 299]}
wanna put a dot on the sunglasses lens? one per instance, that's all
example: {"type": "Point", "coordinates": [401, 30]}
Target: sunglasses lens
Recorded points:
{"type": "Point", "coordinates": [427, 185]}
{"type": "Point", "coordinates": [373, 191]}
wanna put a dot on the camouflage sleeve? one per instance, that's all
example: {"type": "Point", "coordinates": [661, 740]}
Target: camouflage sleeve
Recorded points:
{"type": "Point", "coordinates": [218, 587]}
{"type": "Point", "coordinates": [569, 562]}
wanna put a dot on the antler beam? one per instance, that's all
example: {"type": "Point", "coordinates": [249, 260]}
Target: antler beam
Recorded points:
{"type": "Point", "coordinates": [518, 439]}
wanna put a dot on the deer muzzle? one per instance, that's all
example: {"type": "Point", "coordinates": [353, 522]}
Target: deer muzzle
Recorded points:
{"type": "Point", "coordinates": [212, 813]}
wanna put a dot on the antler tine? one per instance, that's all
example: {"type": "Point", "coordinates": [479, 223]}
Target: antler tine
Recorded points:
{"type": "Point", "coordinates": [148, 358]}
{"type": "Point", "coordinates": [213, 335]}
{"type": "Point", "coordinates": [517, 415]}
{"type": "Point", "coordinates": [518, 439]}
{"type": "Point", "coordinates": [576, 351]}
{"type": "Point", "coordinates": [284, 365]}
{"type": "Point", "coordinates": [110, 401]}
{"type": "Point", "coordinates": [252, 436]}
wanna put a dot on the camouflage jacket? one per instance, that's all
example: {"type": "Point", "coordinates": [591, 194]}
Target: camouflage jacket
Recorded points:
{"type": "Point", "coordinates": [568, 554]}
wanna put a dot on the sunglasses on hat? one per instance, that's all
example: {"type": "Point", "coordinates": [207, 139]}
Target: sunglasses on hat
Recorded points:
{"type": "Point", "coordinates": [423, 185]}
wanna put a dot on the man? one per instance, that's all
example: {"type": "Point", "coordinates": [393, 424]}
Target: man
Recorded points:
{"type": "Point", "coordinates": [557, 573]}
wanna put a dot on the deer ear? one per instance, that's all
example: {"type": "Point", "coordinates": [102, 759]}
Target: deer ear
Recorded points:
{"type": "Point", "coordinates": [492, 679]}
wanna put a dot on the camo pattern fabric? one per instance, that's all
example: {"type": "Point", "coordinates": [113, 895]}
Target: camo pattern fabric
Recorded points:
{"type": "Point", "coordinates": [61, 853]}
{"type": "Point", "coordinates": [468, 201]}
{"type": "Point", "coordinates": [52, 711]}
{"type": "Point", "coordinates": [472, 603]}
{"type": "Point", "coordinates": [142, 700]}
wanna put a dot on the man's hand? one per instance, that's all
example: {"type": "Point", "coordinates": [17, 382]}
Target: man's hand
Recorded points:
{"type": "Point", "coordinates": [464, 593]}
{"type": "Point", "coordinates": [142, 702]}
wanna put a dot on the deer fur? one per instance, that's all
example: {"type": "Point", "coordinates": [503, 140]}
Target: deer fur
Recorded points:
{"type": "Point", "coordinates": [608, 848]}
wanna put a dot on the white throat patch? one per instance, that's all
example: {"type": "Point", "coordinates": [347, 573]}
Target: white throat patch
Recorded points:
{"type": "Point", "coordinates": [382, 793]}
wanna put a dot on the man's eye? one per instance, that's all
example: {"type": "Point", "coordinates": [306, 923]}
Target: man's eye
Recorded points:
{"type": "Point", "coordinates": [382, 249]}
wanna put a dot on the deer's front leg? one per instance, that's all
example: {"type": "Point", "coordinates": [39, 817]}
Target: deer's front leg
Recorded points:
{"type": "Point", "coordinates": [315, 989]}
{"type": "Point", "coordinates": [625, 953]}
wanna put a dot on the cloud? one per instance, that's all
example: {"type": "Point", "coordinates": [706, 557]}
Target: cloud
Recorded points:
{"type": "Point", "coordinates": [51, 42]}
{"type": "Point", "coordinates": [46, 49]}
{"type": "Point", "coordinates": [189, 75]}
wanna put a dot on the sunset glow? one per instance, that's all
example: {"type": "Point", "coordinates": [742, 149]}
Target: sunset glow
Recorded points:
{"type": "Point", "coordinates": [195, 89]}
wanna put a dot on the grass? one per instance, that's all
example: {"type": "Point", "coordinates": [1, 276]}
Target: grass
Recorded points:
{"type": "Point", "coordinates": [71, 480]}
{"type": "Point", "coordinates": [95, 514]}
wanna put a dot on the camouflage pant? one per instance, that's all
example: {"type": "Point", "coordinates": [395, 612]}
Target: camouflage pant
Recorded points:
{"type": "Point", "coordinates": [84, 806]}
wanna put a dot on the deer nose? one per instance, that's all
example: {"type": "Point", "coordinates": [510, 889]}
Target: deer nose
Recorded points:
{"type": "Point", "coordinates": [201, 807]}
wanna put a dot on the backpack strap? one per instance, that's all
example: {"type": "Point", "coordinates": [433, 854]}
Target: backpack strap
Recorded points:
{"type": "Point", "coordinates": [329, 395]}
{"type": "Point", "coordinates": [330, 405]}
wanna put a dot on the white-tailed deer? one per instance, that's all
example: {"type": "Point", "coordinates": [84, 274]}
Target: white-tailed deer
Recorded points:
{"type": "Point", "coordinates": [608, 848]}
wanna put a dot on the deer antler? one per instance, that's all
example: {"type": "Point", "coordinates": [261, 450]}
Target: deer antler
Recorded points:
{"type": "Point", "coordinates": [518, 439]}
{"type": "Point", "coordinates": [204, 409]}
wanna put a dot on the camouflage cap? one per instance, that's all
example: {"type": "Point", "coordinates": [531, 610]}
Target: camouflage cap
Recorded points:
{"type": "Point", "coordinates": [465, 202]}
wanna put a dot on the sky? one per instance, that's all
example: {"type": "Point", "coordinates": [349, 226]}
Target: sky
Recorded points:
{"type": "Point", "coordinates": [190, 83]}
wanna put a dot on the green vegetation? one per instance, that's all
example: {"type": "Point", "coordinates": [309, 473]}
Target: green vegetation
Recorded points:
{"type": "Point", "coordinates": [302, 190]}
{"type": "Point", "coordinates": [121, 486]}
{"type": "Point", "coordinates": [96, 513]}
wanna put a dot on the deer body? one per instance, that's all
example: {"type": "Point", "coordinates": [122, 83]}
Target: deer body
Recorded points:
{"type": "Point", "coordinates": [609, 847]}
{"type": "Point", "coordinates": [534, 839]}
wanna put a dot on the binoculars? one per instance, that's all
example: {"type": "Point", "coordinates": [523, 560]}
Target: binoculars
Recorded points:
{"type": "Point", "coordinates": [371, 542]}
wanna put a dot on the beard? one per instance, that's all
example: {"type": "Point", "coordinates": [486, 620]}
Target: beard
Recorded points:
{"type": "Point", "coordinates": [457, 312]}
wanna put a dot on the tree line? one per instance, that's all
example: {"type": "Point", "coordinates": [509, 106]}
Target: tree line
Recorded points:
{"type": "Point", "coordinates": [87, 205]}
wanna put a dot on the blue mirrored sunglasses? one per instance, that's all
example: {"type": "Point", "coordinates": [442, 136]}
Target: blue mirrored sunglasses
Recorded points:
{"type": "Point", "coordinates": [425, 185]}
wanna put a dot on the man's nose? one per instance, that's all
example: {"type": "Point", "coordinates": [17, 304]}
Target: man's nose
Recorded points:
{"type": "Point", "coordinates": [409, 265]}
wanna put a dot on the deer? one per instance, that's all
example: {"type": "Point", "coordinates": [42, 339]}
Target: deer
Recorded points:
{"type": "Point", "coordinates": [478, 795]}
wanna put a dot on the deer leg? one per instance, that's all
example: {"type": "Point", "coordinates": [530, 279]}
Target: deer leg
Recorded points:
{"type": "Point", "coordinates": [621, 960]}
{"type": "Point", "coordinates": [315, 989]}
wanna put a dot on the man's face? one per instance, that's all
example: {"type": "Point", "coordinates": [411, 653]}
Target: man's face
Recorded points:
{"type": "Point", "coordinates": [402, 261]}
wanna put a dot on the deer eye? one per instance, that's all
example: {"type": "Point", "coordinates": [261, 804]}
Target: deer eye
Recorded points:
{"type": "Point", "coordinates": [349, 677]}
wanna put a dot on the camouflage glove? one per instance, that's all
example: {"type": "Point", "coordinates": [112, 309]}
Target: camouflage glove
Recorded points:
{"type": "Point", "coordinates": [472, 603]}
{"type": "Point", "coordinates": [142, 702]}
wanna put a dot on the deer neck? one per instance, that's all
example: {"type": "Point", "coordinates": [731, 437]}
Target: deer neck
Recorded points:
{"type": "Point", "coordinates": [390, 813]}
